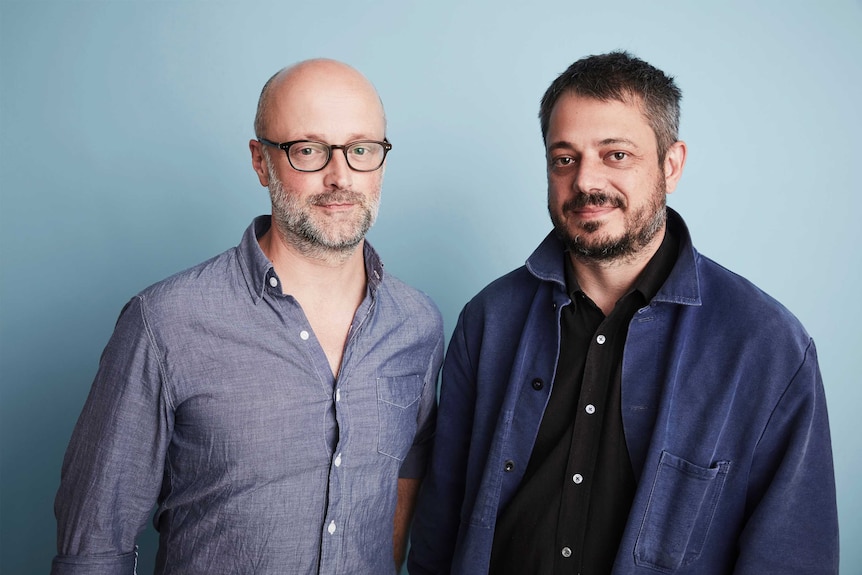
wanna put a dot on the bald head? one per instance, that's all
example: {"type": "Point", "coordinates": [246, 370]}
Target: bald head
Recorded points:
{"type": "Point", "coordinates": [319, 84]}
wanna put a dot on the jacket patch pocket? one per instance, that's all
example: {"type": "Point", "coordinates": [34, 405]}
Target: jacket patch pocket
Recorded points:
{"type": "Point", "coordinates": [397, 407]}
{"type": "Point", "coordinates": [679, 512]}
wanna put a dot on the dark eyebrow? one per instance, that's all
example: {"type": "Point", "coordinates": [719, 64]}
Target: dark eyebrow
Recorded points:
{"type": "Point", "coordinates": [558, 145]}
{"type": "Point", "coordinates": [614, 141]}
{"type": "Point", "coordinates": [562, 144]}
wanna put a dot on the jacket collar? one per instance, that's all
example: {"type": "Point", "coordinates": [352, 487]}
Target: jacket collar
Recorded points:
{"type": "Point", "coordinates": [546, 263]}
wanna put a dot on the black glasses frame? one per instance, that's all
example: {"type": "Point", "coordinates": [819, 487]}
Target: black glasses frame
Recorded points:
{"type": "Point", "coordinates": [285, 146]}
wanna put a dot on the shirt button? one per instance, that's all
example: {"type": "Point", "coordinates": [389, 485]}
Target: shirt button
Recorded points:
{"type": "Point", "coordinates": [566, 552]}
{"type": "Point", "coordinates": [331, 527]}
{"type": "Point", "coordinates": [337, 395]}
{"type": "Point", "coordinates": [601, 339]}
{"type": "Point", "coordinates": [338, 460]}
{"type": "Point", "coordinates": [538, 384]}
{"type": "Point", "coordinates": [509, 466]}
{"type": "Point", "coordinates": [590, 408]}
{"type": "Point", "coordinates": [578, 478]}
{"type": "Point", "coordinates": [303, 335]}
{"type": "Point", "coordinates": [273, 282]}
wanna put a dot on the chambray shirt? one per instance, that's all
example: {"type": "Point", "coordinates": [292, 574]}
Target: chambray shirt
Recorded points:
{"type": "Point", "coordinates": [215, 401]}
{"type": "Point", "coordinates": [723, 410]}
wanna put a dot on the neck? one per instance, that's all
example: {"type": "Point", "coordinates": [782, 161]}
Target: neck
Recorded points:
{"type": "Point", "coordinates": [329, 290]}
{"type": "Point", "coordinates": [315, 271]}
{"type": "Point", "coordinates": [606, 281]}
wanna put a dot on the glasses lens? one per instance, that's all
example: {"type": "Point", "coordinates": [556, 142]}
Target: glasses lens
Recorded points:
{"type": "Point", "coordinates": [365, 156]}
{"type": "Point", "coordinates": [308, 156]}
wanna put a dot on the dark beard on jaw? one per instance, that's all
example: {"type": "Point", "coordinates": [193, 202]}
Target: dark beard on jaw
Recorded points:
{"type": "Point", "coordinates": [641, 228]}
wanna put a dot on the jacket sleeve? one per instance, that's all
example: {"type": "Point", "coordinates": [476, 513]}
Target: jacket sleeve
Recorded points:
{"type": "Point", "coordinates": [437, 520]}
{"type": "Point", "coordinates": [792, 524]}
{"type": "Point", "coordinates": [416, 461]}
{"type": "Point", "coordinates": [112, 471]}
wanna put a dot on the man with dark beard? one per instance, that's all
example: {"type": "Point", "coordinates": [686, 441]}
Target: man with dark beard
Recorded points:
{"type": "Point", "coordinates": [276, 402]}
{"type": "Point", "coordinates": [621, 404]}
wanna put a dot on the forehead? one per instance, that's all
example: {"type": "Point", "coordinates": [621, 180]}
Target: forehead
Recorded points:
{"type": "Point", "coordinates": [329, 107]}
{"type": "Point", "coordinates": [580, 119]}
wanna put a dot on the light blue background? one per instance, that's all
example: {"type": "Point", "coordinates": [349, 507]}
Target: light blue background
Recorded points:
{"type": "Point", "coordinates": [124, 159]}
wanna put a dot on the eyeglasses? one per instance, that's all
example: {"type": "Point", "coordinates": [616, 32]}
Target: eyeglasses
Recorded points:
{"type": "Point", "coordinates": [311, 156]}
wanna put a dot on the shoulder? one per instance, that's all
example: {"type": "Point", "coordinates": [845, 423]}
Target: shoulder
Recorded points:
{"type": "Point", "coordinates": [723, 303]}
{"type": "Point", "coordinates": [409, 302]}
{"type": "Point", "coordinates": [724, 287]}
{"type": "Point", "coordinates": [734, 305]}
{"type": "Point", "coordinates": [513, 290]}
{"type": "Point", "coordinates": [195, 289]}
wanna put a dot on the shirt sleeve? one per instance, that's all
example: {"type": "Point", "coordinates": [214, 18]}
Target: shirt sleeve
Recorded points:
{"type": "Point", "coordinates": [112, 471]}
{"type": "Point", "coordinates": [793, 516]}
{"type": "Point", "coordinates": [415, 463]}
{"type": "Point", "coordinates": [437, 518]}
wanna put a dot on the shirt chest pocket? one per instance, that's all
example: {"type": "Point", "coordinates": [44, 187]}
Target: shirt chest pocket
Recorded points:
{"type": "Point", "coordinates": [679, 513]}
{"type": "Point", "coordinates": [397, 408]}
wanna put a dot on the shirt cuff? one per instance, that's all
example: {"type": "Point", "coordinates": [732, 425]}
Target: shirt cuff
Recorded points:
{"type": "Point", "coordinates": [94, 564]}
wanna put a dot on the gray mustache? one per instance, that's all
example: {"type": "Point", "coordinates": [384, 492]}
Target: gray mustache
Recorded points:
{"type": "Point", "coordinates": [337, 197]}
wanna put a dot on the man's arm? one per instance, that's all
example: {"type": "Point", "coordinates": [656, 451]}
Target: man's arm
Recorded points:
{"type": "Point", "coordinates": [439, 504]}
{"type": "Point", "coordinates": [113, 467]}
{"type": "Point", "coordinates": [793, 522]}
{"type": "Point", "coordinates": [408, 490]}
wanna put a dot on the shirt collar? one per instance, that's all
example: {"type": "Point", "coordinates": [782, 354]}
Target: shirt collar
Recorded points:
{"type": "Point", "coordinates": [257, 269]}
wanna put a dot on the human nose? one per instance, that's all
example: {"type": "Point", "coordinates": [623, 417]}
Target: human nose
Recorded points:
{"type": "Point", "coordinates": [589, 176]}
{"type": "Point", "coordinates": [338, 174]}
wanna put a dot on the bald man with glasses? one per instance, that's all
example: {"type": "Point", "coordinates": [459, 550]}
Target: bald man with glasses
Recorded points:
{"type": "Point", "coordinates": [276, 403]}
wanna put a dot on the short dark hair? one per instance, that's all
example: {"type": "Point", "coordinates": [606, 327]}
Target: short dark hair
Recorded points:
{"type": "Point", "coordinates": [625, 78]}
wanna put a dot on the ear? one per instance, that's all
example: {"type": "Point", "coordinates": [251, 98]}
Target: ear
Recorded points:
{"type": "Point", "coordinates": [674, 162]}
{"type": "Point", "coordinates": [258, 162]}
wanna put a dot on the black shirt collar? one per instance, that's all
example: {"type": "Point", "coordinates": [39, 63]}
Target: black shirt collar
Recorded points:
{"type": "Point", "coordinates": [651, 278]}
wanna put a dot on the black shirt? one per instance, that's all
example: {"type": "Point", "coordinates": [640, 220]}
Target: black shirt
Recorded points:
{"type": "Point", "coordinates": [571, 508]}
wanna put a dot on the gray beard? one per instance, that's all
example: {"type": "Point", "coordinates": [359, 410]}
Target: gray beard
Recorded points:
{"type": "Point", "coordinates": [294, 224]}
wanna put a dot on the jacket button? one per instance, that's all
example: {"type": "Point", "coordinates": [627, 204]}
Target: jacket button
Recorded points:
{"type": "Point", "coordinates": [509, 466]}
{"type": "Point", "coordinates": [538, 384]}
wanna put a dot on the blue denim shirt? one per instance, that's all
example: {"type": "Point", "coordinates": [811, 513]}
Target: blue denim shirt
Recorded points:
{"type": "Point", "coordinates": [214, 400]}
{"type": "Point", "coordinates": [723, 411]}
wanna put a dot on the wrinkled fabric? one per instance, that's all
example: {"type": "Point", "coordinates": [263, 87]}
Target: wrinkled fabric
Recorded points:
{"type": "Point", "coordinates": [723, 410]}
{"type": "Point", "coordinates": [214, 400]}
